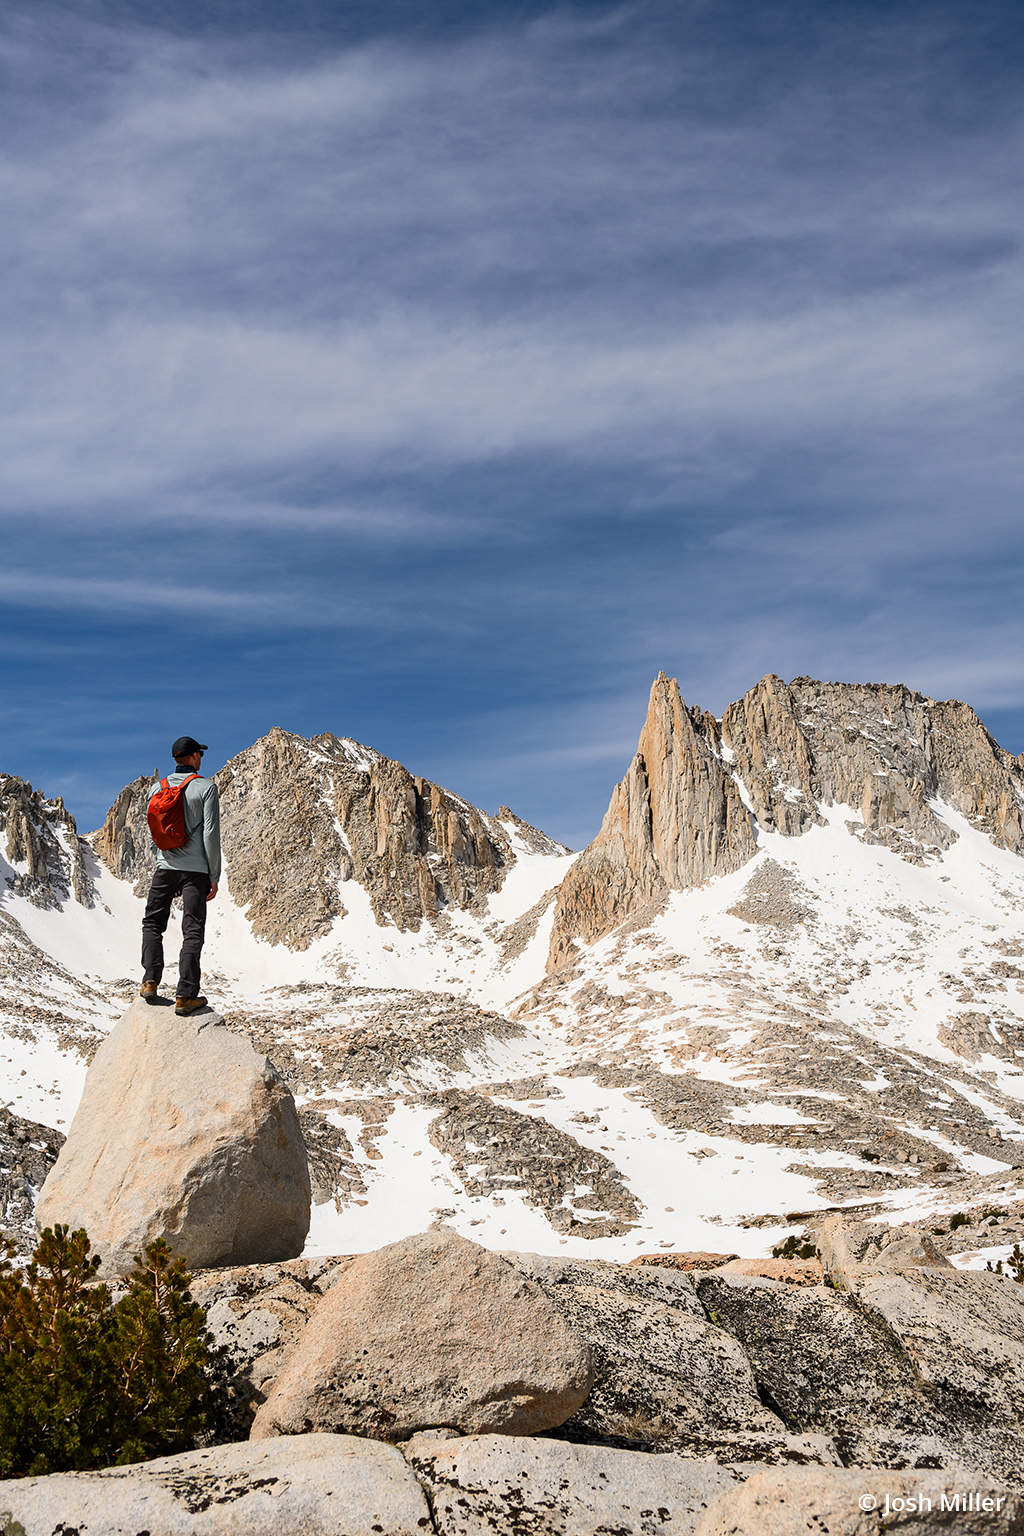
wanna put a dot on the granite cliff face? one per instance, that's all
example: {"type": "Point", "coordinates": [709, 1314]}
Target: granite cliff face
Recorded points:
{"type": "Point", "coordinates": [699, 789]}
{"type": "Point", "coordinates": [299, 819]}
{"type": "Point", "coordinates": [42, 846]}
{"type": "Point", "coordinates": [676, 819]}
{"type": "Point", "coordinates": [879, 748]}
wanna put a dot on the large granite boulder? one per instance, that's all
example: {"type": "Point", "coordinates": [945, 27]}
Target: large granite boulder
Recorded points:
{"type": "Point", "coordinates": [844, 1245]}
{"type": "Point", "coordinates": [184, 1133]}
{"type": "Point", "coordinates": [432, 1331]}
{"type": "Point", "coordinates": [314, 1485]}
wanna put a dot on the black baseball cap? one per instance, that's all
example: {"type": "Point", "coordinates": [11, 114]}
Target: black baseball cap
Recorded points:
{"type": "Point", "coordinates": [185, 746]}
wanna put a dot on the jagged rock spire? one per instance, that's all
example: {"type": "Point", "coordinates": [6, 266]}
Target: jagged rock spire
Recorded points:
{"type": "Point", "coordinates": [676, 819]}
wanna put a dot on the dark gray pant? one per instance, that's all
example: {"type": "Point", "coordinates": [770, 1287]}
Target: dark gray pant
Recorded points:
{"type": "Point", "coordinates": [194, 889]}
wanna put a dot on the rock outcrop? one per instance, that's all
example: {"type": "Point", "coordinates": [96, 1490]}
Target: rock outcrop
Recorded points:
{"type": "Point", "coordinates": [431, 1331]}
{"type": "Point", "coordinates": [313, 1485]}
{"type": "Point", "coordinates": [42, 847]}
{"type": "Point", "coordinates": [183, 1133]}
{"type": "Point", "coordinates": [699, 788]}
{"type": "Point", "coordinates": [664, 1374]}
{"type": "Point", "coordinates": [962, 1331]}
{"type": "Point", "coordinates": [902, 1359]}
{"type": "Point", "coordinates": [676, 819]}
{"type": "Point", "coordinates": [301, 818]}
{"type": "Point", "coordinates": [257, 1312]}
{"type": "Point", "coordinates": [724, 1374]}
{"type": "Point", "coordinates": [28, 1151]}
{"type": "Point", "coordinates": [504, 1484]}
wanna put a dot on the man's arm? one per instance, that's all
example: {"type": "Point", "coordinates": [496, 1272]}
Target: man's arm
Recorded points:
{"type": "Point", "coordinates": [211, 836]}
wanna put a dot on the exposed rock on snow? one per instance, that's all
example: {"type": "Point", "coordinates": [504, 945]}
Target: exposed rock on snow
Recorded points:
{"type": "Point", "coordinates": [387, 1037]}
{"type": "Point", "coordinates": [496, 1150]}
{"type": "Point", "coordinates": [312, 1485]}
{"type": "Point", "coordinates": [28, 1151]}
{"type": "Point", "coordinates": [42, 847]}
{"type": "Point", "coordinates": [183, 1133]}
{"type": "Point", "coordinates": [432, 1331]}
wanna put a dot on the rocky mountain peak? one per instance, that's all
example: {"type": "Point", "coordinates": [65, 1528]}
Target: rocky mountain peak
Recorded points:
{"type": "Point", "coordinates": [700, 790]}
{"type": "Point", "coordinates": [300, 818]}
{"type": "Point", "coordinates": [42, 846]}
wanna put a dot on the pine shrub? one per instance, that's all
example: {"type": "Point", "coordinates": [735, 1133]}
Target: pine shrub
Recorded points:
{"type": "Point", "coordinates": [87, 1381]}
{"type": "Point", "coordinates": [1015, 1265]}
{"type": "Point", "coordinates": [794, 1248]}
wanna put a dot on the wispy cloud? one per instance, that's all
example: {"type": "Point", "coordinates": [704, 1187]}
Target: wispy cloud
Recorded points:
{"type": "Point", "coordinates": [554, 353]}
{"type": "Point", "coordinates": [497, 248]}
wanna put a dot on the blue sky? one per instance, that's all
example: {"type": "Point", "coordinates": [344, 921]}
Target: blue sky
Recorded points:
{"type": "Point", "coordinates": [436, 374]}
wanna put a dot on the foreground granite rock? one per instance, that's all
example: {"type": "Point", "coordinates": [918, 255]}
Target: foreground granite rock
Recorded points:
{"type": "Point", "coordinates": [313, 1485]}
{"type": "Point", "coordinates": [851, 1503]}
{"type": "Point", "coordinates": [502, 1484]}
{"type": "Point", "coordinates": [431, 1331]}
{"type": "Point", "coordinates": [183, 1133]}
{"type": "Point", "coordinates": [919, 1367]}
{"type": "Point", "coordinates": [257, 1312]}
{"type": "Point", "coordinates": [665, 1375]}
{"type": "Point", "coordinates": [964, 1332]}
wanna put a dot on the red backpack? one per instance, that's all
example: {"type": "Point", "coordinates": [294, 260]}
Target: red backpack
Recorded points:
{"type": "Point", "coordinates": [166, 815]}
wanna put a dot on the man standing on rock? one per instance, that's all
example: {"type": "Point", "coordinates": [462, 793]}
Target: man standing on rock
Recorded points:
{"type": "Point", "coordinates": [191, 870]}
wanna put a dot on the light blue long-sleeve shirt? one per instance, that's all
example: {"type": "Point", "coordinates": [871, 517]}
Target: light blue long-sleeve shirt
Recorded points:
{"type": "Point", "coordinates": [202, 822]}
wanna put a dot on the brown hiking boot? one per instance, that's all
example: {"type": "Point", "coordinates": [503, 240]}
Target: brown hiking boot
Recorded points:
{"type": "Point", "coordinates": [186, 1005]}
{"type": "Point", "coordinates": [148, 990]}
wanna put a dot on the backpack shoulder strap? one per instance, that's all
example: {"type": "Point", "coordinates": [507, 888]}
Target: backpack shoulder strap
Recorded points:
{"type": "Point", "coordinates": [181, 790]}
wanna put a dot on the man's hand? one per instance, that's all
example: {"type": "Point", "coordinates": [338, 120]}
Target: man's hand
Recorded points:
{"type": "Point", "coordinates": [211, 893]}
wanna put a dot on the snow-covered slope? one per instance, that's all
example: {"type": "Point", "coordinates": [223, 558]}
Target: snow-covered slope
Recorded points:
{"type": "Point", "coordinates": [836, 1019]}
